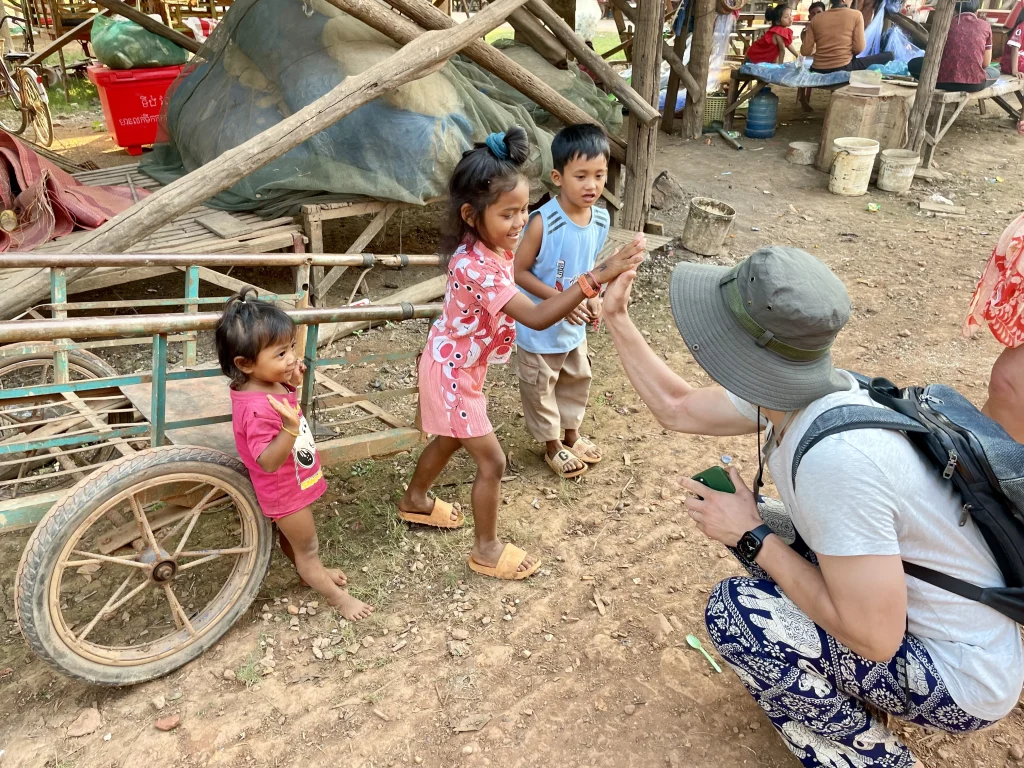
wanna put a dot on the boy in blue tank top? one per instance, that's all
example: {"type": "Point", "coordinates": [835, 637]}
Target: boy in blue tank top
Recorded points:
{"type": "Point", "coordinates": [560, 244]}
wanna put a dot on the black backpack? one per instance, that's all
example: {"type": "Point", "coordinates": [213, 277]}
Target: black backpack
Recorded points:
{"type": "Point", "coordinates": [970, 450]}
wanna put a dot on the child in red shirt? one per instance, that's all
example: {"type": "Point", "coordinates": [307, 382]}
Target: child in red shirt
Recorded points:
{"type": "Point", "coordinates": [772, 46]}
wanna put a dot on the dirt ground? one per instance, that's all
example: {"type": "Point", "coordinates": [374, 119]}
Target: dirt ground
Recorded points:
{"type": "Point", "coordinates": [457, 670]}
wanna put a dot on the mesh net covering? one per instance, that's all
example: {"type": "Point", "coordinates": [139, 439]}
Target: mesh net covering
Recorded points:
{"type": "Point", "coordinates": [270, 58]}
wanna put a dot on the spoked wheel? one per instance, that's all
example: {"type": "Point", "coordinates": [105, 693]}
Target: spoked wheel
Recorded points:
{"type": "Point", "coordinates": [116, 603]}
{"type": "Point", "coordinates": [52, 417]}
{"type": "Point", "coordinates": [34, 98]}
{"type": "Point", "coordinates": [13, 118]}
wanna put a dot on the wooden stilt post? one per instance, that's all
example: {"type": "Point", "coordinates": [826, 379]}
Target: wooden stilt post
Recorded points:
{"type": "Point", "coordinates": [642, 141]}
{"type": "Point", "coordinates": [700, 62]}
{"type": "Point", "coordinates": [668, 112]}
{"type": "Point", "coordinates": [918, 122]}
{"type": "Point", "coordinates": [425, 54]}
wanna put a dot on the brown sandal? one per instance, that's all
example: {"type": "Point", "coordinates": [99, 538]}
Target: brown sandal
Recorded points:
{"type": "Point", "coordinates": [586, 447]}
{"type": "Point", "coordinates": [564, 458]}
{"type": "Point", "coordinates": [440, 516]}
{"type": "Point", "coordinates": [508, 565]}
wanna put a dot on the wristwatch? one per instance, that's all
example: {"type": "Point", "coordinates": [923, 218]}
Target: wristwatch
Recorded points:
{"type": "Point", "coordinates": [749, 545]}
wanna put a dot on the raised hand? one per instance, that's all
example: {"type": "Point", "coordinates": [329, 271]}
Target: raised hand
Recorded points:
{"type": "Point", "coordinates": [290, 417]}
{"type": "Point", "coordinates": [623, 259]}
{"type": "Point", "coordinates": [297, 372]}
{"type": "Point", "coordinates": [616, 295]}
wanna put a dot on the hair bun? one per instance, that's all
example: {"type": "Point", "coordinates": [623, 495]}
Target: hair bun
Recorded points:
{"type": "Point", "coordinates": [517, 145]}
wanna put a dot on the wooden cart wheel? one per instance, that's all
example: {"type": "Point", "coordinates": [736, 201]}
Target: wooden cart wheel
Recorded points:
{"type": "Point", "coordinates": [116, 603]}
{"type": "Point", "coordinates": [35, 369]}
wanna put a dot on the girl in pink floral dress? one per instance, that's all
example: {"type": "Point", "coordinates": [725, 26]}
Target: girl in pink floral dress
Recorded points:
{"type": "Point", "coordinates": [488, 197]}
{"type": "Point", "coordinates": [999, 303]}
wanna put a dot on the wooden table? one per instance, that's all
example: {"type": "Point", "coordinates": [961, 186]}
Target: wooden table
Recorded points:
{"type": "Point", "coordinates": [742, 87]}
{"type": "Point", "coordinates": [939, 124]}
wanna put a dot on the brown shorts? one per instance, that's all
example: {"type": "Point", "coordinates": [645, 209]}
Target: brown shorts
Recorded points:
{"type": "Point", "coordinates": [555, 389]}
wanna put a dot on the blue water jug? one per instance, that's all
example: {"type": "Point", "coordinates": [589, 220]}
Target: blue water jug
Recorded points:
{"type": "Point", "coordinates": [761, 115]}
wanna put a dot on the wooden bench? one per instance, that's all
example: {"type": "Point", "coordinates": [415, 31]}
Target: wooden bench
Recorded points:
{"type": "Point", "coordinates": [939, 124]}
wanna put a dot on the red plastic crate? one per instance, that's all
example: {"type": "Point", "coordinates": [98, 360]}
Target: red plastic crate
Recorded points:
{"type": "Point", "coordinates": [131, 100]}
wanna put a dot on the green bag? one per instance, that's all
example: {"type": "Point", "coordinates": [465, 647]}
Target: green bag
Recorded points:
{"type": "Point", "coordinates": [123, 44]}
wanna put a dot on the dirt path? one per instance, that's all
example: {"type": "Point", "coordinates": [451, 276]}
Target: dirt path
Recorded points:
{"type": "Point", "coordinates": [532, 674]}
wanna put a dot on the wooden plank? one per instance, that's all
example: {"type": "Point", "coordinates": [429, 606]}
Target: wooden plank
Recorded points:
{"type": "Point", "coordinates": [364, 405]}
{"type": "Point", "coordinates": [953, 210]}
{"type": "Point", "coordinates": [150, 24]}
{"type": "Point", "coordinates": [105, 277]}
{"type": "Point", "coordinates": [19, 513]}
{"type": "Point", "coordinates": [414, 294]}
{"type": "Point", "coordinates": [375, 226]}
{"type": "Point", "coordinates": [425, 54]}
{"type": "Point", "coordinates": [348, 450]}
{"type": "Point", "coordinates": [223, 224]}
{"type": "Point", "coordinates": [233, 284]}
{"type": "Point", "coordinates": [83, 408]}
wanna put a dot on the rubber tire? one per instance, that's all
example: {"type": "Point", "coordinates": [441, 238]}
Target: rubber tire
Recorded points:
{"type": "Point", "coordinates": [42, 117]}
{"type": "Point", "coordinates": [16, 127]}
{"type": "Point", "coordinates": [98, 367]}
{"type": "Point", "coordinates": [36, 569]}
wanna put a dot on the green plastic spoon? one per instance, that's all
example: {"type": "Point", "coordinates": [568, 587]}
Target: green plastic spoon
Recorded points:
{"type": "Point", "coordinates": [695, 643]}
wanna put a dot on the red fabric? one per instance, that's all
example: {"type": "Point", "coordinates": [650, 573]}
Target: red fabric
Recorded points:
{"type": "Point", "coordinates": [963, 58]}
{"type": "Point", "coordinates": [1011, 49]}
{"type": "Point", "coordinates": [765, 50]}
{"type": "Point", "coordinates": [998, 300]}
{"type": "Point", "coordinates": [50, 203]}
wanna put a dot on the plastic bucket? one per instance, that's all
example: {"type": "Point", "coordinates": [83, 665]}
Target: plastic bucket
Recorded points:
{"type": "Point", "coordinates": [896, 171]}
{"type": "Point", "coordinates": [802, 152]}
{"type": "Point", "coordinates": [851, 166]}
{"type": "Point", "coordinates": [707, 225]}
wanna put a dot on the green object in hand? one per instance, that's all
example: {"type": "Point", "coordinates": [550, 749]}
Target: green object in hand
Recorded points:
{"type": "Point", "coordinates": [717, 479]}
{"type": "Point", "coordinates": [695, 643]}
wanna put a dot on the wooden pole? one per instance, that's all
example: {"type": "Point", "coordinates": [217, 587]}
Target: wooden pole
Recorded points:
{"type": "Point", "coordinates": [149, 24]}
{"type": "Point", "coordinates": [667, 54]}
{"type": "Point", "coordinates": [918, 122]}
{"type": "Point", "coordinates": [484, 54]}
{"type": "Point", "coordinates": [423, 55]}
{"type": "Point", "coordinates": [602, 69]}
{"type": "Point", "coordinates": [668, 112]}
{"type": "Point", "coordinates": [643, 139]}
{"type": "Point", "coordinates": [532, 33]}
{"type": "Point", "coordinates": [700, 62]}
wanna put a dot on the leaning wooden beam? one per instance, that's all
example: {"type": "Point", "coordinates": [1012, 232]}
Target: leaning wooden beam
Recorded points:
{"type": "Point", "coordinates": [917, 129]}
{"type": "Point", "coordinates": [484, 54]}
{"type": "Point", "coordinates": [918, 33]}
{"type": "Point", "coordinates": [149, 24]}
{"type": "Point", "coordinates": [700, 64]}
{"type": "Point", "coordinates": [61, 41]}
{"type": "Point", "coordinates": [427, 290]}
{"type": "Point", "coordinates": [566, 35]}
{"type": "Point", "coordinates": [375, 226]}
{"type": "Point", "coordinates": [424, 54]}
{"type": "Point", "coordinates": [643, 139]}
{"type": "Point", "coordinates": [667, 54]}
{"type": "Point", "coordinates": [533, 33]}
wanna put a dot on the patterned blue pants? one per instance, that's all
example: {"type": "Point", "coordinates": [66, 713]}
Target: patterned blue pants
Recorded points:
{"type": "Point", "coordinates": [812, 687]}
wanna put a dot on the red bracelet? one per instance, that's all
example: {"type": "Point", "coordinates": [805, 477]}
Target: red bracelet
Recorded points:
{"type": "Point", "coordinates": [588, 290]}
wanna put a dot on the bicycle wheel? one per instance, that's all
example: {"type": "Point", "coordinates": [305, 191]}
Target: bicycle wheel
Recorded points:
{"type": "Point", "coordinates": [35, 99]}
{"type": "Point", "coordinates": [13, 118]}
{"type": "Point", "coordinates": [122, 603]}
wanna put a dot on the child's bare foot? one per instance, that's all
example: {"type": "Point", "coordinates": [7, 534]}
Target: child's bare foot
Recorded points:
{"type": "Point", "coordinates": [351, 608]}
{"type": "Point", "coordinates": [336, 574]}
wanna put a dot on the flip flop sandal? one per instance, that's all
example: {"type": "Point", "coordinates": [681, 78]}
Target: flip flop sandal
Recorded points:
{"type": "Point", "coordinates": [564, 458]}
{"type": "Point", "coordinates": [508, 565]}
{"type": "Point", "coordinates": [440, 516]}
{"type": "Point", "coordinates": [584, 454]}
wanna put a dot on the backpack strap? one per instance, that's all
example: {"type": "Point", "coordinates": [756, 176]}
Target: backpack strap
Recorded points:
{"type": "Point", "coordinates": [943, 581]}
{"type": "Point", "coordinates": [844, 418]}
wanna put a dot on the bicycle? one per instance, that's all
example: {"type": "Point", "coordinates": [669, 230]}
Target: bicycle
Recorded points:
{"type": "Point", "coordinates": [23, 97]}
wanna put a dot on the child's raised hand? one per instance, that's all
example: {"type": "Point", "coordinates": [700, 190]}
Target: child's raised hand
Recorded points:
{"type": "Point", "coordinates": [297, 372]}
{"type": "Point", "coordinates": [290, 417]}
{"type": "Point", "coordinates": [622, 260]}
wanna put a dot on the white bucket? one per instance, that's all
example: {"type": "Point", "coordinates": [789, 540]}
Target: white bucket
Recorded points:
{"type": "Point", "coordinates": [851, 166]}
{"type": "Point", "coordinates": [896, 171]}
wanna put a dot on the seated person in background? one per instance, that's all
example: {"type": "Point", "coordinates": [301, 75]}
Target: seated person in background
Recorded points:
{"type": "Point", "coordinates": [835, 37]}
{"type": "Point", "coordinates": [967, 54]}
{"type": "Point", "coordinates": [803, 95]}
{"type": "Point", "coordinates": [771, 47]}
{"type": "Point", "coordinates": [1012, 62]}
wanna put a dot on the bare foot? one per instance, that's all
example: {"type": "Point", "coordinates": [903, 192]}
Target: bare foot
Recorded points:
{"type": "Point", "coordinates": [421, 506]}
{"type": "Point", "coordinates": [336, 574]}
{"type": "Point", "coordinates": [351, 608]}
{"type": "Point", "coordinates": [487, 554]}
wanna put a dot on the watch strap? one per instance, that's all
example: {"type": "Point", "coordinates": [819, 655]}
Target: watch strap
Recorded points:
{"type": "Point", "coordinates": [762, 532]}
{"type": "Point", "coordinates": [588, 290]}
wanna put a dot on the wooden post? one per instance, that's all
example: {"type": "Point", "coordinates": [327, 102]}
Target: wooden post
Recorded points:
{"type": "Point", "coordinates": [566, 9]}
{"type": "Point", "coordinates": [484, 54]}
{"type": "Point", "coordinates": [602, 69]}
{"type": "Point", "coordinates": [918, 123]}
{"type": "Point", "coordinates": [700, 62]}
{"type": "Point", "coordinates": [642, 140]}
{"type": "Point", "coordinates": [666, 53]}
{"type": "Point", "coordinates": [532, 33]}
{"type": "Point", "coordinates": [149, 24]}
{"type": "Point", "coordinates": [668, 112]}
{"type": "Point", "coordinates": [425, 54]}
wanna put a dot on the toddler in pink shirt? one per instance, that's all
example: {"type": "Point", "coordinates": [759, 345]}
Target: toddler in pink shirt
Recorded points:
{"type": "Point", "coordinates": [255, 347]}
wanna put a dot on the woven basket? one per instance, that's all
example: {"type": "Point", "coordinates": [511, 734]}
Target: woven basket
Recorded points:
{"type": "Point", "coordinates": [714, 108]}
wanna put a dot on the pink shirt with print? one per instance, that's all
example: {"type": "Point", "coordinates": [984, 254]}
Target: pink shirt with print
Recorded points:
{"type": "Point", "coordinates": [300, 480]}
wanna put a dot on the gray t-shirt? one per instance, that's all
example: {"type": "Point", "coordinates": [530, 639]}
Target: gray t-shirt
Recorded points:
{"type": "Point", "coordinates": [868, 492]}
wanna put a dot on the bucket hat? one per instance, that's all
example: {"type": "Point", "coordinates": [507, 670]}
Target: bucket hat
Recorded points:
{"type": "Point", "coordinates": [764, 328]}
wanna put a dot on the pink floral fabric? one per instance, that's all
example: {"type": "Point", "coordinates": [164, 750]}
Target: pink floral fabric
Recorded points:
{"type": "Point", "coordinates": [999, 298]}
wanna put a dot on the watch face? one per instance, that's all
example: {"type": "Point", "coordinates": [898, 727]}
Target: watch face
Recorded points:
{"type": "Point", "coordinates": [748, 547]}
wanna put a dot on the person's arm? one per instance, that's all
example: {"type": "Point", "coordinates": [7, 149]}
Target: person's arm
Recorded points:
{"type": "Point", "coordinates": [273, 457]}
{"type": "Point", "coordinates": [860, 600]}
{"type": "Point", "coordinates": [792, 50]}
{"type": "Point", "coordinates": [674, 402]}
{"type": "Point", "coordinates": [540, 316]}
{"type": "Point", "coordinates": [858, 43]}
{"type": "Point", "coordinates": [807, 46]}
{"type": "Point", "coordinates": [526, 256]}
{"type": "Point", "coordinates": [781, 45]}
